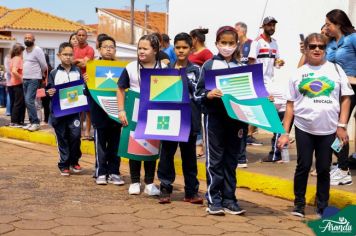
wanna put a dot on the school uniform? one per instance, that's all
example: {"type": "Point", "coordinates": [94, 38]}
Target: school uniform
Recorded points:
{"type": "Point", "coordinates": [130, 78]}
{"type": "Point", "coordinates": [67, 128]}
{"type": "Point", "coordinates": [166, 171]}
{"type": "Point", "coordinates": [222, 140]}
{"type": "Point", "coordinates": [106, 139]}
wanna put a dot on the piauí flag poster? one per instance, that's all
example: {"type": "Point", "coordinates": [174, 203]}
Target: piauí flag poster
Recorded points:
{"type": "Point", "coordinates": [107, 100]}
{"type": "Point", "coordinates": [69, 99]}
{"type": "Point", "coordinates": [103, 74]}
{"type": "Point", "coordinates": [243, 82]}
{"type": "Point", "coordinates": [164, 112]}
{"type": "Point", "coordinates": [259, 112]}
{"type": "Point", "coordinates": [130, 147]}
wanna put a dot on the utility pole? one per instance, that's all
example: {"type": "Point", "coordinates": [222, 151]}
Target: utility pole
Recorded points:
{"type": "Point", "coordinates": [132, 22]}
{"type": "Point", "coordinates": [146, 18]}
{"type": "Point", "coordinates": [167, 8]}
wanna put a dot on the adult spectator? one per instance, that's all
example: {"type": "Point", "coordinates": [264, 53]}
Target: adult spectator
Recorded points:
{"type": "Point", "coordinates": [321, 90]}
{"type": "Point", "coordinates": [34, 67]}
{"type": "Point", "coordinates": [200, 53]}
{"type": "Point", "coordinates": [264, 50]}
{"type": "Point", "coordinates": [342, 51]}
{"type": "Point", "coordinates": [73, 39]}
{"type": "Point", "coordinates": [244, 49]}
{"type": "Point", "coordinates": [18, 107]}
{"type": "Point", "coordinates": [8, 82]}
{"type": "Point", "coordinates": [82, 54]}
{"type": "Point", "coordinates": [168, 48]}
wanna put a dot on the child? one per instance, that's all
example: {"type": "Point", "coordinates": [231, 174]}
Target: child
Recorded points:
{"type": "Point", "coordinates": [67, 128]}
{"type": "Point", "coordinates": [147, 53]}
{"type": "Point", "coordinates": [106, 131]}
{"type": "Point", "coordinates": [166, 172]}
{"type": "Point", "coordinates": [222, 139]}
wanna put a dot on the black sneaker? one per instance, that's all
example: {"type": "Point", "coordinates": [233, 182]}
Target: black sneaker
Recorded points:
{"type": "Point", "coordinates": [253, 141]}
{"type": "Point", "coordinates": [215, 210]}
{"type": "Point", "coordinates": [298, 211]}
{"type": "Point", "coordinates": [234, 209]}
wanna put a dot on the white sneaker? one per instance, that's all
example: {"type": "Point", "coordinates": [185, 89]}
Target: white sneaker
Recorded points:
{"type": "Point", "coordinates": [333, 168]}
{"type": "Point", "coordinates": [34, 127]}
{"type": "Point", "coordinates": [27, 126]}
{"type": "Point", "coordinates": [115, 179]}
{"type": "Point", "coordinates": [135, 189]}
{"type": "Point", "coordinates": [152, 190]}
{"type": "Point", "coordinates": [340, 177]}
{"type": "Point", "coordinates": [101, 180]}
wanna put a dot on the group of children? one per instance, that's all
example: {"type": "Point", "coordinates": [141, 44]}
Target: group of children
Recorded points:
{"type": "Point", "coordinates": [221, 132]}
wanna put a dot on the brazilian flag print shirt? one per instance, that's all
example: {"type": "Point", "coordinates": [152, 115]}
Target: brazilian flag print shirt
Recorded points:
{"type": "Point", "coordinates": [316, 92]}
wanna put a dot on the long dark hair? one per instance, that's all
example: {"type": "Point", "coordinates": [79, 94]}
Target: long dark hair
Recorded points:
{"type": "Point", "coordinates": [339, 17]}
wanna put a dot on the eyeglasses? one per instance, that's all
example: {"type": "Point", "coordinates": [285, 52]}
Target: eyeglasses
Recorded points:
{"type": "Point", "coordinates": [314, 46]}
{"type": "Point", "coordinates": [108, 47]}
{"type": "Point", "coordinates": [67, 55]}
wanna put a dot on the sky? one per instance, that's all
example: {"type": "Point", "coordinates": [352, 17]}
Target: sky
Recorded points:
{"type": "Point", "coordinates": [82, 9]}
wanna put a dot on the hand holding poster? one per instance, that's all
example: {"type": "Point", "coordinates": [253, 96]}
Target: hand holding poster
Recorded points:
{"type": "Point", "coordinates": [69, 99]}
{"type": "Point", "coordinates": [245, 96]}
{"type": "Point", "coordinates": [165, 112]}
{"type": "Point", "coordinates": [130, 147]}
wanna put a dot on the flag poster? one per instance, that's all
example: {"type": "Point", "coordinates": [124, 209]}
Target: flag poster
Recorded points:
{"type": "Point", "coordinates": [243, 82]}
{"type": "Point", "coordinates": [130, 147]}
{"type": "Point", "coordinates": [103, 76]}
{"type": "Point", "coordinates": [245, 97]}
{"type": "Point", "coordinates": [165, 112]}
{"type": "Point", "coordinates": [258, 112]}
{"type": "Point", "coordinates": [69, 99]}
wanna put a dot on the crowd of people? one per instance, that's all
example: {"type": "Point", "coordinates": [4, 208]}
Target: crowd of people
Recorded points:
{"type": "Point", "coordinates": [318, 103]}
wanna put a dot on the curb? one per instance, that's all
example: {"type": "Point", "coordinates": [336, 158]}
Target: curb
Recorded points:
{"type": "Point", "coordinates": [267, 184]}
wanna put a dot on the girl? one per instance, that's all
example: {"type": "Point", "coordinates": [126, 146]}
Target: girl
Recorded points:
{"type": "Point", "coordinates": [147, 53]}
{"type": "Point", "coordinates": [222, 140]}
{"type": "Point", "coordinates": [16, 89]}
{"type": "Point", "coordinates": [201, 54]}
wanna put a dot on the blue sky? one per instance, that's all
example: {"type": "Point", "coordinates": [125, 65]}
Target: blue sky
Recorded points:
{"type": "Point", "coordinates": [81, 9]}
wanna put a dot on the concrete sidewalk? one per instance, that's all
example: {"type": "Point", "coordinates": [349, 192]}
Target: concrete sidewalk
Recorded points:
{"type": "Point", "coordinates": [270, 178]}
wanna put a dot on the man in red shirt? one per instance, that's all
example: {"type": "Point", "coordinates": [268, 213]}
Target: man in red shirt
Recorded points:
{"type": "Point", "coordinates": [82, 54]}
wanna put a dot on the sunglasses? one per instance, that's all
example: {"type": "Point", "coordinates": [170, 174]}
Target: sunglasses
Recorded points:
{"type": "Point", "coordinates": [314, 46]}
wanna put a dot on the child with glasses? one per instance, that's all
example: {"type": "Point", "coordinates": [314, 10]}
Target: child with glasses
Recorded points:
{"type": "Point", "coordinates": [66, 128]}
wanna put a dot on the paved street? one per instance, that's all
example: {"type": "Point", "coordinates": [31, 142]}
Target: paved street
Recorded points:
{"type": "Point", "coordinates": [36, 200]}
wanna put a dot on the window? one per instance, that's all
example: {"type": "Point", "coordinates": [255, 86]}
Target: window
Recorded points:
{"type": "Point", "coordinates": [51, 54]}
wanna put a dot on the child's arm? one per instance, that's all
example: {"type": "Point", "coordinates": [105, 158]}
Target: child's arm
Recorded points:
{"type": "Point", "coordinates": [121, 106]}
{"type": "Point", "coordinates": [50, 90]}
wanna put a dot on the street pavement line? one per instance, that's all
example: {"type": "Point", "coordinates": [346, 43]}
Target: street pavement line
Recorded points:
{"type": "Point", "coordinates": [270, 185]}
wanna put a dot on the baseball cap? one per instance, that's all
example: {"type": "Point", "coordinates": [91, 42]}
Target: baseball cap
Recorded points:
{"type": "Point", "coordinates": [269, 19]}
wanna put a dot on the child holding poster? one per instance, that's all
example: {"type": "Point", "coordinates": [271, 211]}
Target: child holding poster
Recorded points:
{"type": "Point", "coordinates": [66, 128]}
{"type": "Point", "coordinates": [166, 172]}
{"type": "Point", "coordinates": [223, 134]}
{"type": "Point", "coordinates": [147, 53]}
{"type": "Point", "coordinates": [106, 130]}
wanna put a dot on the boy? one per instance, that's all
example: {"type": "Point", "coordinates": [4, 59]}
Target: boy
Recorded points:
{"type": "Point", "coordinates": [67, 128]}
{"type": "Point", "coordinates": [106, 131]}
{"type": "Point", "coordinates": [166, 172]}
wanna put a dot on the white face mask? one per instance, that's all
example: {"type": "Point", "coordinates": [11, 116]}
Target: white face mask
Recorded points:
{"type": "Point", "coordinates": [226, 51]}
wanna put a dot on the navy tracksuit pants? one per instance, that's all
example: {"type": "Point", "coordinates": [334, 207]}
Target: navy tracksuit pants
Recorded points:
{"type": "Point", "coordinates": [166, 172]}
{"type": "Point", "coordinates": [68, 132]}
{"type": "Point", "coordinates": [106, 147]}
{"type": "Point", "coordinates": [223, 145]}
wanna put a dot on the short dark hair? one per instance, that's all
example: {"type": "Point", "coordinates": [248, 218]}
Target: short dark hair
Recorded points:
{"type": "Point", "coordinates": [100, 36]}
{"type": "Point", "coordinates": [183, 37]}
{"type": "Point", "coordinates": [165, 38]}
{"type": "Point", "coordinates": [105, 38]}
{"type": "Point", "coordinates": [82, 29]}
{"type": "Point", "coordinates": [16, 50]}
{"type": "Point", "coordinates": [63, 46]}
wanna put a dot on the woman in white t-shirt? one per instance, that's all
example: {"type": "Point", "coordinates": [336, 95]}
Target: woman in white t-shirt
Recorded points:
{"type": "Point", "coordinates": [319, 99]}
